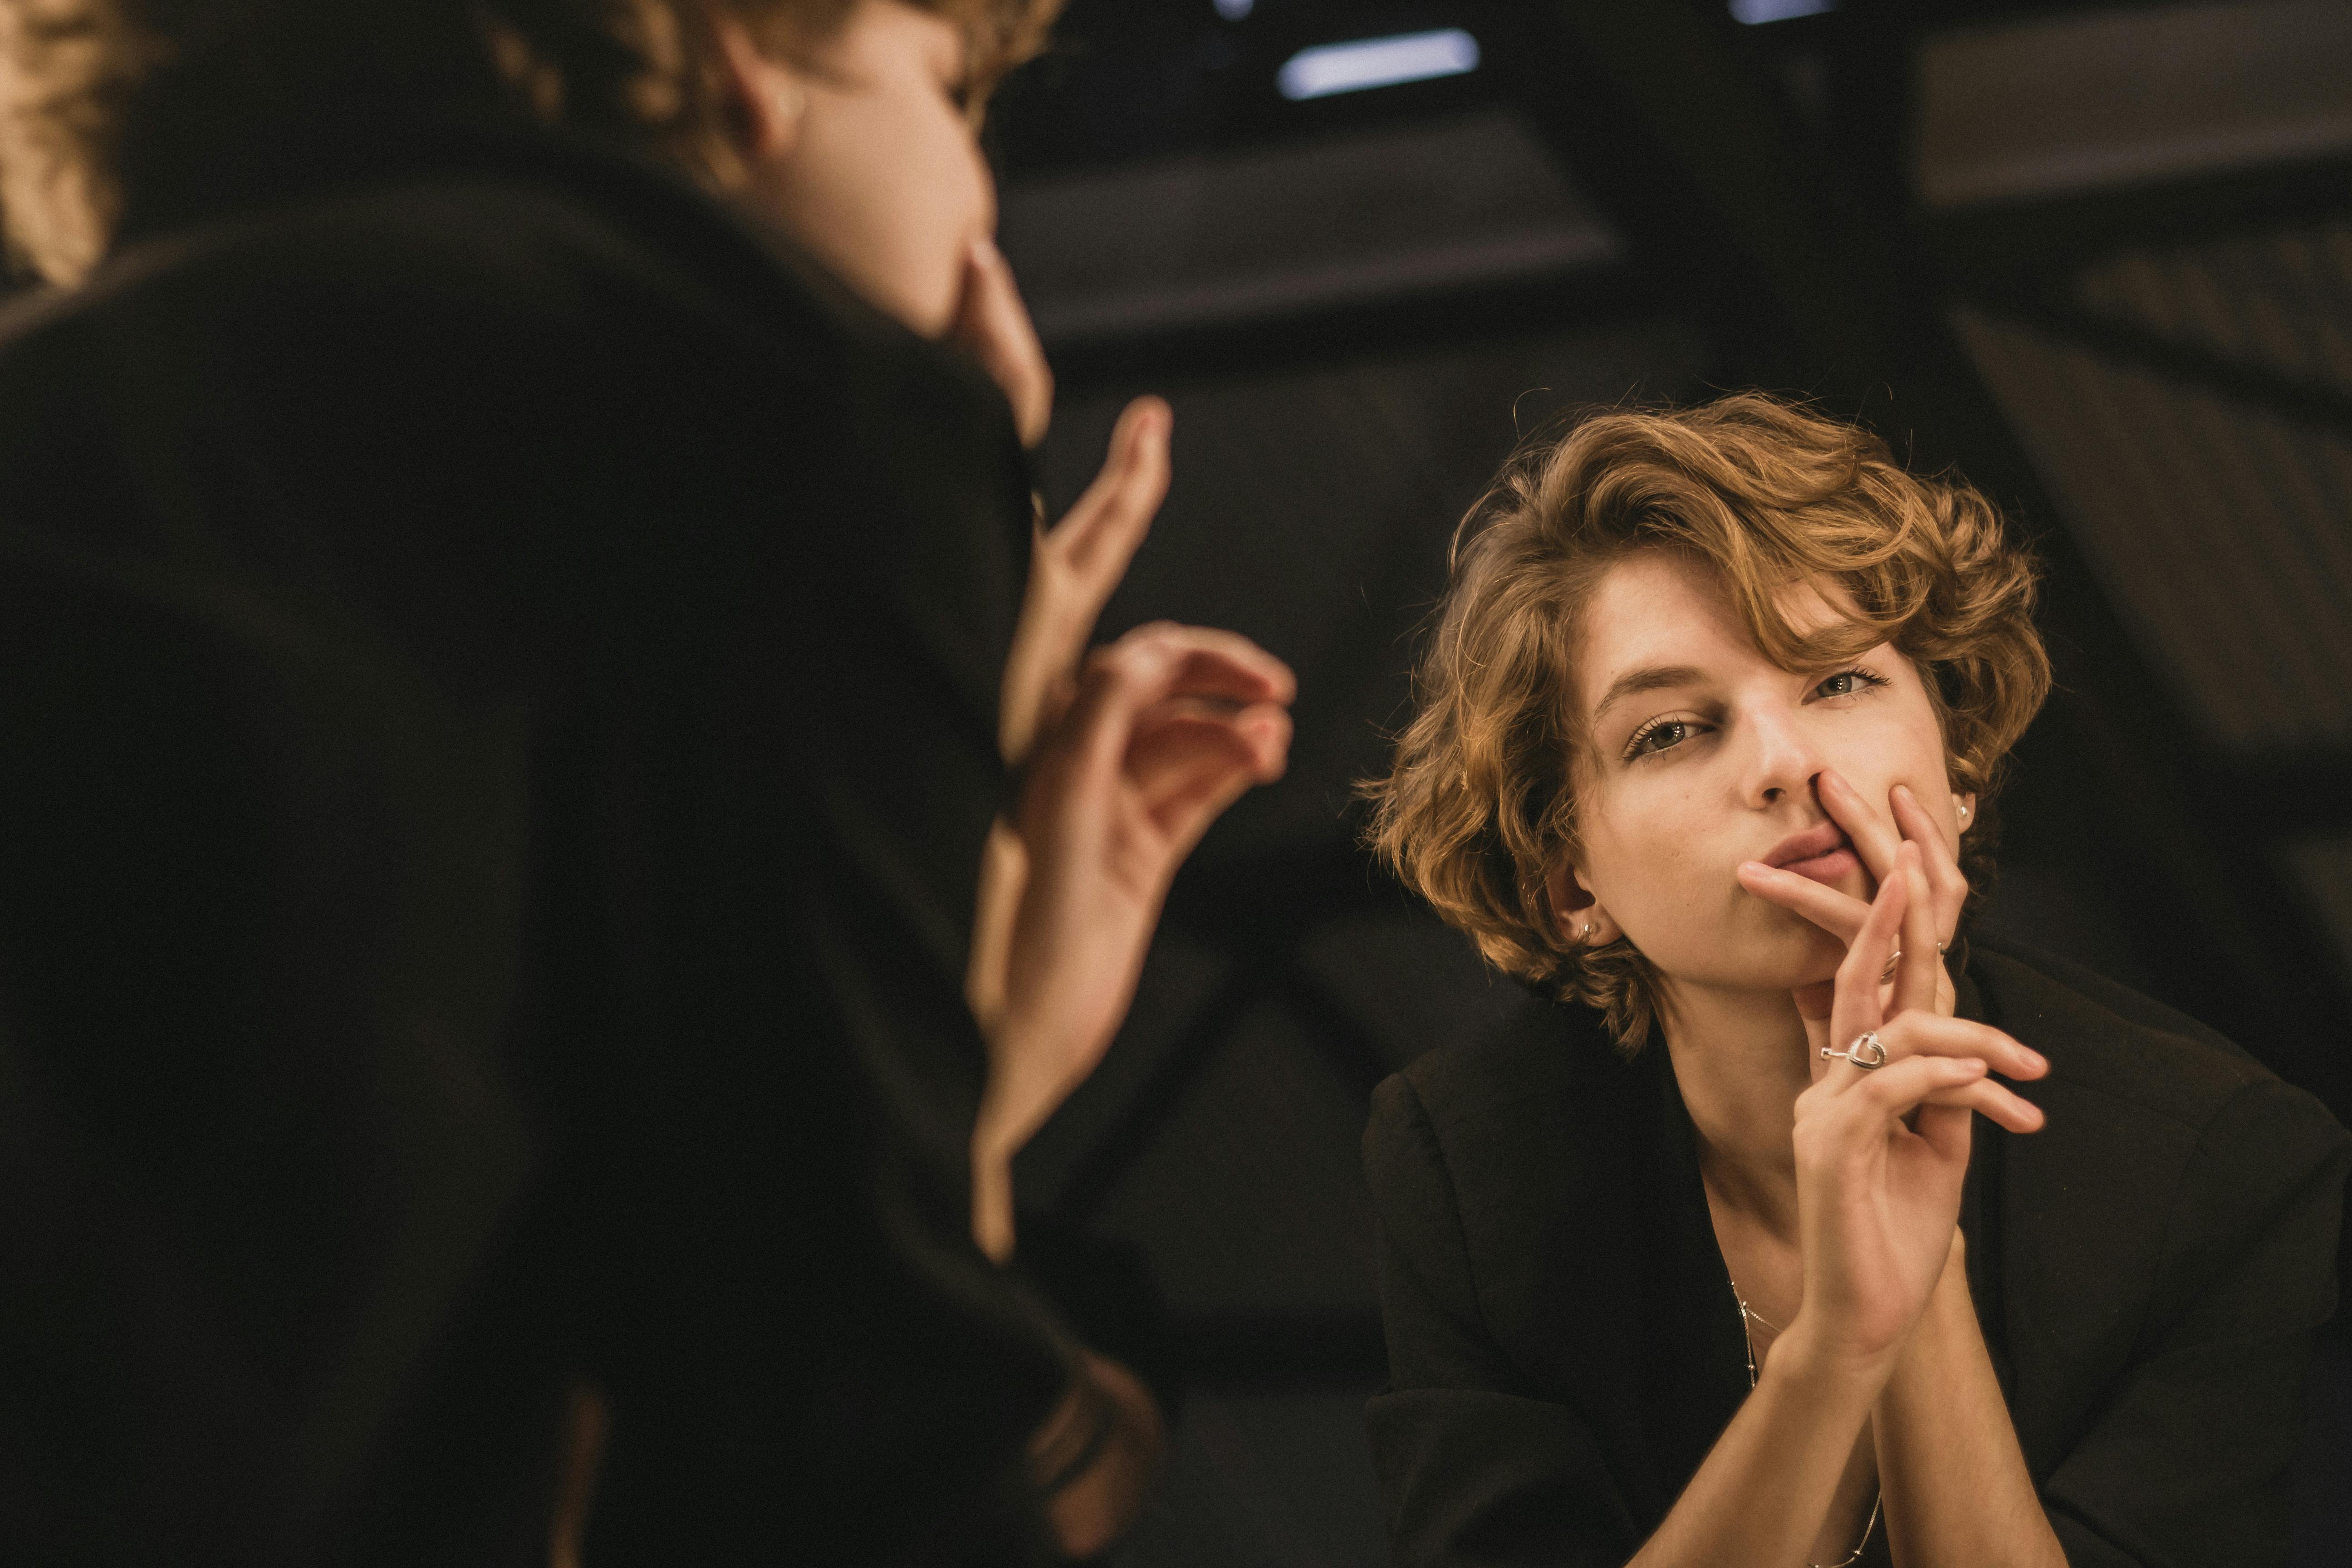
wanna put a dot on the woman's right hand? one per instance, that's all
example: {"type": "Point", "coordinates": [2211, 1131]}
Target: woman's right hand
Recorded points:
{"type": "Point", "coordinates": [1169, 726]}
{"type": "Point", "coordinates": [1881, 1153]}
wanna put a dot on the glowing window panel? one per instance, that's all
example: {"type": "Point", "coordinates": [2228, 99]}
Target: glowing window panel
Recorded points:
{"type": "Point", "coordinates": [1329, 69]}
{"type": "Point", "coordinates": [1756, 13]}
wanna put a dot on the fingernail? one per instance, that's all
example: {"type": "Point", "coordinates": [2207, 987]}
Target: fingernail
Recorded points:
{"type": "Point", "coordinates": [2037, 1061]}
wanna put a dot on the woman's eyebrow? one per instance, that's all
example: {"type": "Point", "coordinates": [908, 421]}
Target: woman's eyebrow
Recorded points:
{"type": "Point", "coordinates": [1657, 677]}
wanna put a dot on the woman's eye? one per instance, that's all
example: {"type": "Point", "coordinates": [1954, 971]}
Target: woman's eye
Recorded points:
{"type": "Point", "coordinates": [1847, 683]}
{"type": "Point", "coordinates": [1660, 737]}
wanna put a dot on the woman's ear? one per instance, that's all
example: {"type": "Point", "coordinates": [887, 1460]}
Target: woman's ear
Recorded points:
{"type": "Point", "coordinates": [1967, 811]}
{"type": "Point", "coordinates": [766, 99]}
{"type": "Point", "coordinates": [1581, 919]}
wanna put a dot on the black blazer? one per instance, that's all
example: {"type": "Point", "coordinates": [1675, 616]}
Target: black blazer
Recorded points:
{"type": "Point", "coordinates": [1564, 1345]}
{"type": "Point", "coordinates": [499, 663]}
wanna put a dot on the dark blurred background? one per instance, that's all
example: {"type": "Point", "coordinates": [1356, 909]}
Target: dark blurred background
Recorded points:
{"type": "Point", "coordinates": [2099, 257]}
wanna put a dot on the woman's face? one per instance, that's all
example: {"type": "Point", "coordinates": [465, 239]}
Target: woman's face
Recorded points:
{"type": "Point", "coordinates": [872, 163]}
{"type": "Point", "coordinates": [1704, 754]}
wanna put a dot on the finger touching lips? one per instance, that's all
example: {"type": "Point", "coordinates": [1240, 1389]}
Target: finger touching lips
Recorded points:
{"type": "Point", "coordinates": [1873, 833]}
{"type": "Point", "coordinates": [1841, 914]}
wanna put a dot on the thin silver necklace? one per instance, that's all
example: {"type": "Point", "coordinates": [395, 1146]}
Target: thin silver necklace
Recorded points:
{"type": "Point", "coordinates": [1749, 1317]}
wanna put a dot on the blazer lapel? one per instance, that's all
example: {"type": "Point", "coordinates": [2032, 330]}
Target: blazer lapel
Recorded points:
{"type": "Point", "coordinates": [1695, 1351]}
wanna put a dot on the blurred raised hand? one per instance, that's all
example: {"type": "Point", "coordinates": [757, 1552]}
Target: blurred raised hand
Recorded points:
{"type": "Point", "coordinates": [1125, 755]}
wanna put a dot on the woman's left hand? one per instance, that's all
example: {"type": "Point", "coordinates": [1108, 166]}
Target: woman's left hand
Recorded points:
{"type": "Point", "coordinates": [1882, 1137]}
{"type": "Point", "coordinates": [1929, 922]}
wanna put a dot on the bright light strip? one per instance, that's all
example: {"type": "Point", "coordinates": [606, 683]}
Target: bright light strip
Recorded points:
{"type": "Point", "coordinates": [1756, 13]}
{"type": "Point", "coordinates": [1327, 68]}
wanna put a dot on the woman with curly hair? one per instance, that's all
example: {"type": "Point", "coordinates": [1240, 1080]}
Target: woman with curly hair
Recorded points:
{"type": "Point", "coordinates": [525, 964]}
{"type": "Point", "coordinates": [1731, 1246]}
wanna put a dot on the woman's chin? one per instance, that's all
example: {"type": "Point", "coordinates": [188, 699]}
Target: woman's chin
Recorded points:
{"type": "Point", "coordinates": [1813, 974]}
{"type": "Point", "coordinates": [1791, 973]}
{"type": "Point", "coordinates": [1811, 957]}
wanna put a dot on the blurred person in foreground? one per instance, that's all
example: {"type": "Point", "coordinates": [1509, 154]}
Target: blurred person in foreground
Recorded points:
{"type": "Point", "coordinates": [521, 618]}
{"type": "Point", "coordinates": [1732, 1247]}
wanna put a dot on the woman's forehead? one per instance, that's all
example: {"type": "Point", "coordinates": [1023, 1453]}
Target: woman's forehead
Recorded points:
{"type": "Point", "coordinates": [1662, 610]}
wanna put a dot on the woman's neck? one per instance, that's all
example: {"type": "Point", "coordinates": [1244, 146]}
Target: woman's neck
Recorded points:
{"type": "Point", "coordinates": [1740, 1059]}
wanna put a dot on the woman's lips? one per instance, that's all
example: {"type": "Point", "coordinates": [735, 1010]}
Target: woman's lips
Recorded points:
{"type": "Point", "coordinates": [1833, 866]}
{"type": "Point", "coordinates": [1822, 852]}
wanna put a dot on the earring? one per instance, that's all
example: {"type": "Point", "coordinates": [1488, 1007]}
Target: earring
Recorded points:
{"type": "Point", "coordinates": [1964, 811]}
{"type": "Point", "coordinates": [1586, 934]}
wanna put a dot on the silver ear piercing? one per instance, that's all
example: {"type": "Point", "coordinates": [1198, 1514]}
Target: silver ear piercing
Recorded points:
{"type": "Point", "coordinates": [1964, 811]}
{"type": "Point", "coordinates": [1586, 934]}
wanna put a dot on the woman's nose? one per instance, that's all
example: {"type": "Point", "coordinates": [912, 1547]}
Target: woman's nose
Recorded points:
{"type": "Point", "coordinates": [1777, 761]}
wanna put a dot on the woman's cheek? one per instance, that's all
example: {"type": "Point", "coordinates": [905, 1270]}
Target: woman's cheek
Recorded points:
{"type": "Point", "coordinates": [1661, 902]}
{"type": "Point", "coordinates": [951, 203]}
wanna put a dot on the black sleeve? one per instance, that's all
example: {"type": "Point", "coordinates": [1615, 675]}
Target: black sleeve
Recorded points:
{"type": "Point", "coordinates": [2189, 1461]}
{"type": "Point", "coordinates": [1473, 1472]}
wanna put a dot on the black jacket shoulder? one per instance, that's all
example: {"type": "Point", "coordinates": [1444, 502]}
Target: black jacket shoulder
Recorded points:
{"type": "Point", "coordinates": [1539, 1059]}
{"type": "Point", "coordinates": [1523, 1159]}
{"type": "Point", "coordinates": [2109, 1040]}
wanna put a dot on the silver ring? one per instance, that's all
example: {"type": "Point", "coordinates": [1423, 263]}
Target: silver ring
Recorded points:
{"type": "Point", "coordinates": [1887, 973]}
{"type": "Point", "coordinates": [1869, 1043]}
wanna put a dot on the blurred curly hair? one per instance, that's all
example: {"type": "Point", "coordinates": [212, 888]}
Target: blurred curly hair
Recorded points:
{"type": "Point", "coordinates": [95, 94]}
{"type": "Point", "coordinates": [1480, 803]}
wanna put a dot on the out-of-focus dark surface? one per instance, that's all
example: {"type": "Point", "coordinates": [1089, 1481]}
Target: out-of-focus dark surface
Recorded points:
{"type": "Point", "coordinates": [2099, 256]}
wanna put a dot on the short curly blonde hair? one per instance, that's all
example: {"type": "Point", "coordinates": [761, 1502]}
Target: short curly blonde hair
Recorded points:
{"type": "Point", "coordinates": [1480, 806]}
